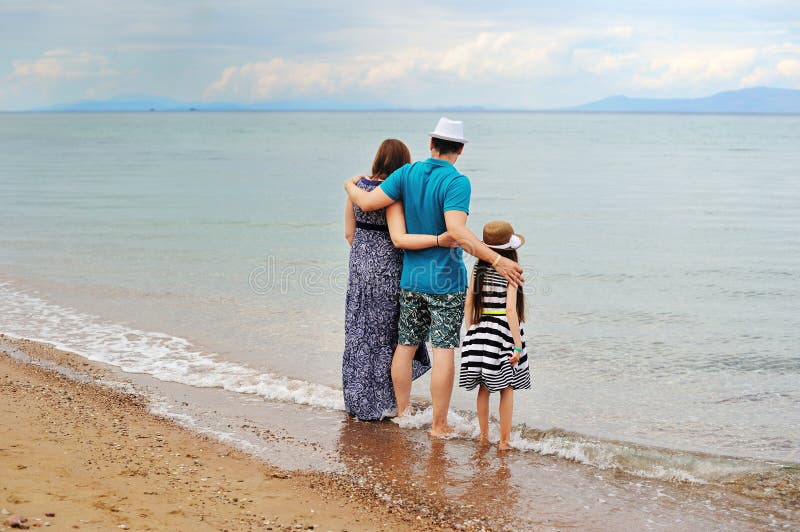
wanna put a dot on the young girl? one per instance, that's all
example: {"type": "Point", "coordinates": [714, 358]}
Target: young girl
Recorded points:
{"type": "Point", "coordinates": [493, 354]}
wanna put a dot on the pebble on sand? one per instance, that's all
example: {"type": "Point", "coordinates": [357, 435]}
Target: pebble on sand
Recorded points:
{"type": "Point", "coordinates": [17, 521]}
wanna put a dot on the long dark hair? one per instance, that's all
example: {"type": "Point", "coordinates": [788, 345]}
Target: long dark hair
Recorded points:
{"type": "Point", "coordinates": [481, 268]}
{"type": "Point", "coordinates": [392, 154]}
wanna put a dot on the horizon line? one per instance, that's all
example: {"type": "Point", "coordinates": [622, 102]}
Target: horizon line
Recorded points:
{"type": "Point", "coordinates": [149, 103]}
{"type": "Point", "coordinates": [396, 110]}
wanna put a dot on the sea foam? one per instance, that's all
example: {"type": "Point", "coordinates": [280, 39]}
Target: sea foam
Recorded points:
{"type": "Point", "coordinates": [175, 359]}
{"type": "Point", "coordinates": [160, 355]}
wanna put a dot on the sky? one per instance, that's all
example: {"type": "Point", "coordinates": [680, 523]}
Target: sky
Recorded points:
{"type": "Point", "coordinates": [414, 53]}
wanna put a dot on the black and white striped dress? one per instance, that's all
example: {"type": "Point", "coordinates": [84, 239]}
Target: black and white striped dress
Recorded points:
{"type": "Point", "coordinates": [488, 344]}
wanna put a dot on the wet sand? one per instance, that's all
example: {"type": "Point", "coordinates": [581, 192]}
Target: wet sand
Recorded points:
{"type": "Point", "coordinates": [96, 459]}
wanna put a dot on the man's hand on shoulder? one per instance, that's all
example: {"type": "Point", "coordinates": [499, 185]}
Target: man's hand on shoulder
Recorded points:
{"type": "Point", "coordinates": [354, 180]}
{"type": "Point", "coordinates": [511, 270]}
{"type": "Point", "coordinates": [367, 201]}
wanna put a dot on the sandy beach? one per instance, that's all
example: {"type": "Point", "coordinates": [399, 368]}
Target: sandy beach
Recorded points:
{"type": "Point", "coordinates": [82, 450]}
{"type": "Point", "coordinates": [80, 455]}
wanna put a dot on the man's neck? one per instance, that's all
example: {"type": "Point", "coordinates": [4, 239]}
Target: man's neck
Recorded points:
{"type": "Point", "coordinates": [449, 157]}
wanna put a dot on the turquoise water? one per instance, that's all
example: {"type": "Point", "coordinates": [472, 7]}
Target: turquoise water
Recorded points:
{"type": "Point", "coordinates": [662, 258]}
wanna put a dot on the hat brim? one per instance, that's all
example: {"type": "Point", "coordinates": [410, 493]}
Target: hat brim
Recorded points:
{"type": "Point", "coordinates": [506, 246]}
{"type": "Point", "coordinates": [445, 137]}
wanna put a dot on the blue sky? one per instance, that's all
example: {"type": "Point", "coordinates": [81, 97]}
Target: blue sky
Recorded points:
{"type": "Point", "coordinates": [412, 53]}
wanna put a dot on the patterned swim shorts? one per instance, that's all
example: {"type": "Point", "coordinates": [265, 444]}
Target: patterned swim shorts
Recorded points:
{"type": "Point", "coordinates": [438, 314]}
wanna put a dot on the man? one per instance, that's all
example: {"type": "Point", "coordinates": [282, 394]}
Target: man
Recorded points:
{"type": "Point", "coordinates": [433, 285]}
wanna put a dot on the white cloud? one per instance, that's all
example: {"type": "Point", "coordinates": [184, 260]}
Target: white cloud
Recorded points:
{"type": "Point", "coordinates": [507, 55]}
{"type": "Point", "coordinates": [787, 48]}
{"type": "Point", "coordinates": [695, 68]}
{"type": "Point", "coordinates": [490, 56]}
{"type": "Point", "coordinates": [785, 73]}
{"type": "Point", "coordinates": [601, 62]}
{"type": "Point", "coordinates": [790, 68]}
{"type": "Point", "coordinates": [758, 77]}
{"type": "Point", "coordinates": [282, 78]}
{"type": "Point", "coordinates": [59, 75]}
{"type": "Point", "coordinates": [534, 54]}
{"type": "Point", "coordinates": [778, 65]}
{"type": "Point", "coordinates": [59, 65]}
{"type": "Point", "coordinates": [382, 73]}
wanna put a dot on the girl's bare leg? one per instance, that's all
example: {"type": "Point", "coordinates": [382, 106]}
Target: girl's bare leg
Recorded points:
{"type": "Point", "coordinates": [483, 412]}
{"type": "Point", "coordinates": [506, 412]}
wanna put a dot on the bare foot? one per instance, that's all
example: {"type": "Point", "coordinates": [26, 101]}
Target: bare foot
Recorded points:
{"type": "Point", "coordinates": [503, 446]}
{"type": "Point", "coordinates": [401, 416]}
{"type": "Point", "coordinates": [441, 432]}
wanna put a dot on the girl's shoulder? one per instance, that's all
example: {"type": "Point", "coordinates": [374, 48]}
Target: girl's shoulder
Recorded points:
{"type": "Point", "coordinates": [489, 275]}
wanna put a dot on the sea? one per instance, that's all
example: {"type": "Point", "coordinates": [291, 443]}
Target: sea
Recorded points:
{"type": "Point", "coordinates": [202, 256]}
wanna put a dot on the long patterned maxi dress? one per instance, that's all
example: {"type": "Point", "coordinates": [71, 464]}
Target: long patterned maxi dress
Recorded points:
{"type": "Point", "coordinates": [371, 314]}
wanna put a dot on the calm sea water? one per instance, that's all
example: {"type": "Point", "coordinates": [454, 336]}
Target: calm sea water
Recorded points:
{"type": "Point", "coordinates": [662, 261]}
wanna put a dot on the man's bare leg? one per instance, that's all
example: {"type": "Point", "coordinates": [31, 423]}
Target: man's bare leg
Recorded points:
{"type": "Point", "coordinates": [441, 389]}
{"type": "Point", "coordinates": [401, 376]}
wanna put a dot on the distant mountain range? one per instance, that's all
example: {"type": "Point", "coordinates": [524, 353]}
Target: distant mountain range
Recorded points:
{"type": "Point", "coordinates": [755, 100]}
{"type": "Point", "coordinates": [150, 103]}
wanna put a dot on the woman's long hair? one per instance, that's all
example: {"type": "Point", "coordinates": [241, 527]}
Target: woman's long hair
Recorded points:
{"type": "Point", "coordinates": [477, 283]}
{"type": "Point", "coordinates": [392, 154]}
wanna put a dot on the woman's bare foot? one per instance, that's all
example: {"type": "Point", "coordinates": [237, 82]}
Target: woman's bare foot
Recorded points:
{"type": "Point", "coordinates": [405, 414]}
{"type": "Point", "coordinates": [503, 446]}
{"type": "Point", "coordinates": [441, 432]}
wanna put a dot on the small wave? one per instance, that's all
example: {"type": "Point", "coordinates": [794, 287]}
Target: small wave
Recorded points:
{"type": "Point", "coordinates": [636, 460]}
{"type": "Point", "coordinates": [163, 356]}
{"type": "Point", "coordinates": [162, 409]}
{"type": "Point", "coordinates": [754, 397]}
{"type": "Point", "coordinates": [174, 359]}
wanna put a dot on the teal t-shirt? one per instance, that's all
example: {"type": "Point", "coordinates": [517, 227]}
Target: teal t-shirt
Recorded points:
{"type": "Point", "coordinates": [428, 189]}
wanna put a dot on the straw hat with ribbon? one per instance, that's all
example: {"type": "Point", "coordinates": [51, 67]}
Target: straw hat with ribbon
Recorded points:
{"type": "Point", "coordinates": [500, 235]}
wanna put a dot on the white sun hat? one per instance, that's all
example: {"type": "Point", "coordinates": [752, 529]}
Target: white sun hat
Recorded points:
{"type": "Point", "coordinates": [452, 130]}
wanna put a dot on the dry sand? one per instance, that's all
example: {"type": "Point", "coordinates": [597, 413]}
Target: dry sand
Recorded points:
{"type": "Point", "coordinates": [96, 459]}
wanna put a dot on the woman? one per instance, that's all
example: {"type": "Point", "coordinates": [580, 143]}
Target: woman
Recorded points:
{"type": "Point", "coordinates": [372, 306]}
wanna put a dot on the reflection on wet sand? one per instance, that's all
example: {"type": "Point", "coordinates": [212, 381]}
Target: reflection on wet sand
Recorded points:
{"type": "Point", "coordinates": [441, 479]}
{"type": "Point", "coordinates": [490, 484]}
{"type": "Point", "coordinates": [462, 483]}
{"type": "Point", "coordinates": [436, 467]}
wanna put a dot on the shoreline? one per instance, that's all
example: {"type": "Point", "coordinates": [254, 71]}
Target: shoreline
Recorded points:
{"type": "Point", "coordinates": [385, 477]}
{"type": "Point", "coordinates": [96, 457]}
